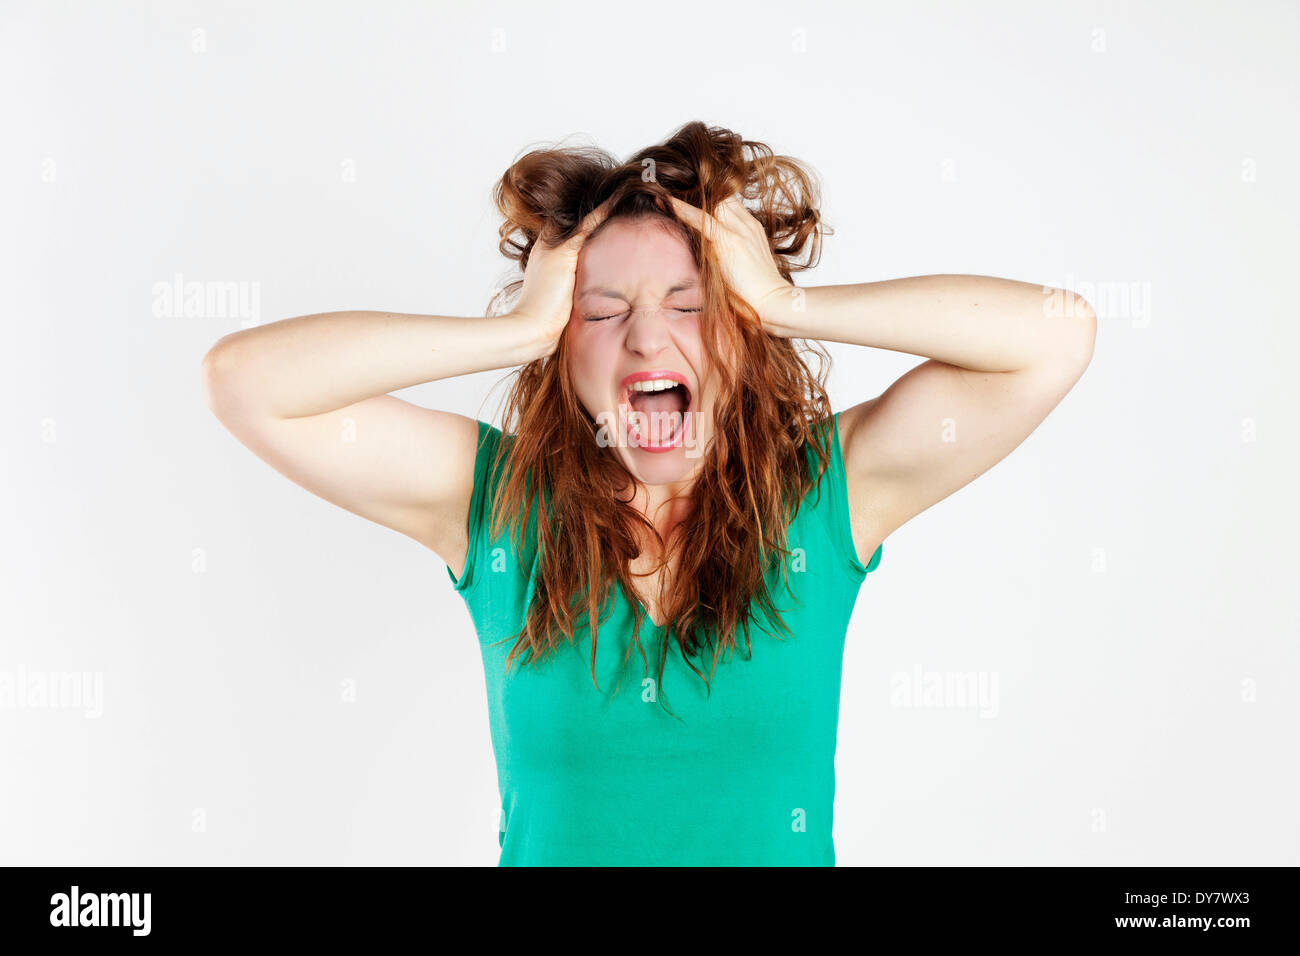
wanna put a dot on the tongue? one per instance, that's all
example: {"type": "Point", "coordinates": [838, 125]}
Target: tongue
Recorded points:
{"type": "Point", "coordinates": [669, 400]}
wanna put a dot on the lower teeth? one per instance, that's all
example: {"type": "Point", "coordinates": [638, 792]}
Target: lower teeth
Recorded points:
{"type": "Point", "coordinates": [667, 435]}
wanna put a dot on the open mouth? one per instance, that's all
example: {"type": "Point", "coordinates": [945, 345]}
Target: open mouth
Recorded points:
{"type": "Point", "coordinates": [658, 404]}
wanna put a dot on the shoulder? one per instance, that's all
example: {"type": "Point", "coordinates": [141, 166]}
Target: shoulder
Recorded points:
{"type": "Point", "coordinates": [876, 497]}
{"type": "Point", "coordinates": [826, 504]}
{"type": "Point", "coordinates": [478, 543]}
{"type": "Point", "coordinates": [864, 505]}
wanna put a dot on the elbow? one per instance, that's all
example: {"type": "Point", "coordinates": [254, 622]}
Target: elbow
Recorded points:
{"type": "Point", "coordinates": [217, 375]}
{"type": "Point", "coordinates": [1079, 331]}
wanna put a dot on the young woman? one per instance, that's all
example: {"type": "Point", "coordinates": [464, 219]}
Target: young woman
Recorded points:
{"type": "Point", "coordinates": [661, 550]}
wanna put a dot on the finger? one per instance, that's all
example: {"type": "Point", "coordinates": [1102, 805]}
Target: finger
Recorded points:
{"type": "Point", "coordinates": [696, 217]}
{"type": "Point", "coordinates": [734, 210]}
{"type": "Point", "coordinates": [746, 220]}
{"type": "Point", "coordinates": [593, 219]}
{"type": "Point", "coordinates": [573, 244]}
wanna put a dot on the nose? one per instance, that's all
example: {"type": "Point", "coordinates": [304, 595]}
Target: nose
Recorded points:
{"type": "Point", "coordinates": [647, 332]}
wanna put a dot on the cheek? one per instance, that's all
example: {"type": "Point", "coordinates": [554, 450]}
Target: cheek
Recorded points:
{"type": "Point", "coordinates": [690, 343]}
{"type": "Point", "coordinates": [588, 367]}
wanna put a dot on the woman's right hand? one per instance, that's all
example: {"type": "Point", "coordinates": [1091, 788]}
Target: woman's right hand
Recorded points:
{"type": "Point", "coordinates": [546, 301]}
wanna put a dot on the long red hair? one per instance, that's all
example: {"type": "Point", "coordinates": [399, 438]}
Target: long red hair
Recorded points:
{"type": "Point", "coordinates": [755, 473]}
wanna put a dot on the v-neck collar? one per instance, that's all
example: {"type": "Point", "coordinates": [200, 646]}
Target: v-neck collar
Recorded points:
{"type": "Point", "coordinates": [639, 605]}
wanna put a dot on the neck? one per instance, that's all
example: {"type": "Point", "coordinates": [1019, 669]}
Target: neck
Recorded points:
{"type": "Point", "coordinates": [666, 505]}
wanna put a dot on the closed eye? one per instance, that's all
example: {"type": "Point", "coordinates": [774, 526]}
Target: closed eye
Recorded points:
{"type": "Point", "coordinates": [602, 318]}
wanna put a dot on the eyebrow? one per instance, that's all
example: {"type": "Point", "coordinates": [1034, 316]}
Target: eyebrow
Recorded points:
{"type": "Point", "coordinates": [679, 286]}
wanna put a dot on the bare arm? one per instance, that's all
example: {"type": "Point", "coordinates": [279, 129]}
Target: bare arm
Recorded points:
{"type": "Point", "coordinates": [308, 395]}
{"type": "Point", "coordinates": [1002, 354]}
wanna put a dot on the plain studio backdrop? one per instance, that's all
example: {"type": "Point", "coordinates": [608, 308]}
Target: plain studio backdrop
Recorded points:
{"type": "Point", "coordinates": [1087, 656]}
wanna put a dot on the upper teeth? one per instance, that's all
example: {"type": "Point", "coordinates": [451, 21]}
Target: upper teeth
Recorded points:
{"type": "Point", "coordinates": [654, 385]}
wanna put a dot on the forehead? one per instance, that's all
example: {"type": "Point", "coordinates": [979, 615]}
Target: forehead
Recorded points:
{"type": "Point", "coordinates": [627, 258]}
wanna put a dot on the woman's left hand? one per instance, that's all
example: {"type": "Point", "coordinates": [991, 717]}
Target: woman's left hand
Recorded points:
{"type": "Point", "coordinates": [743, 250]}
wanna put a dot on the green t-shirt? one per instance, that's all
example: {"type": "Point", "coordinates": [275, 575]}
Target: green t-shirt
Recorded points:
{"type": "Point", "coordinates": [744, 776]}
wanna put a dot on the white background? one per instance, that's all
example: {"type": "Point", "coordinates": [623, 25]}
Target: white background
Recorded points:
{"type": "Point", "coordinates": [1127, 575]}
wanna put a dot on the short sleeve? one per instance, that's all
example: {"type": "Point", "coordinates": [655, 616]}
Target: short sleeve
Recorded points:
{"type": "Point", "coordinates": [489, 438]}
{"type": "Point", "coordinates": [842, 525]}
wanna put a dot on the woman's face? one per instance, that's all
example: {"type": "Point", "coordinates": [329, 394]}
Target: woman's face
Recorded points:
{"type": "Point", "coordinates": [636, 319]}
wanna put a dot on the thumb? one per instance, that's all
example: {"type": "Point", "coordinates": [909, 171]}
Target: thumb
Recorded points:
{"type": "Point", "coordinates": [589, 224]}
